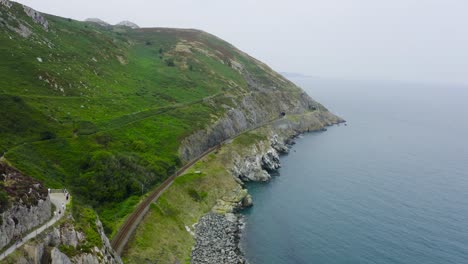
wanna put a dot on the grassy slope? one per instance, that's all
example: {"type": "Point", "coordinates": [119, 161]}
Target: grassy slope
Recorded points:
{"type": "Point", "coordinates": [105, 110]}
{"type": "Point", "coordinates": [162, 236]}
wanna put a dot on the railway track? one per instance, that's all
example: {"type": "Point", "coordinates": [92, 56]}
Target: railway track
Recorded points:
{"type": "Point", "coordinates": [128, 227]}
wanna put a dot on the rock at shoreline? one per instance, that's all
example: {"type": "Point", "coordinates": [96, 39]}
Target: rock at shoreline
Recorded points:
{"type": "Point", "coordinates": [217, 240]}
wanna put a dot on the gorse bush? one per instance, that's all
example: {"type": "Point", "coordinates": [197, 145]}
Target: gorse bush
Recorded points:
{"type": "Point", "coordinates": [3, 200]}
{"type": "Point", "coordinates": [170, 62]}
{"type": "Point", "coordinates": [46, 135]}
{"type": "Point", "coordinates": [113, 177]}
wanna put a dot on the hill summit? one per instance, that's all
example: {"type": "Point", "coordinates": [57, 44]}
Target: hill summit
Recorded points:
{"type": "Point", "coordinates": [129, 24]}
{"type": "Point", "coordinates": [98, 21]}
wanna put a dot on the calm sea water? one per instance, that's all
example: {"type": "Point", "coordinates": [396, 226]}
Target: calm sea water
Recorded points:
{"type": "Point", "coordinates": [391, 187]}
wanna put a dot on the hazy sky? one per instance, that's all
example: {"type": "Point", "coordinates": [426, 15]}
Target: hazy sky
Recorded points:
{"type": "Point", "coordinates": [417, 40]}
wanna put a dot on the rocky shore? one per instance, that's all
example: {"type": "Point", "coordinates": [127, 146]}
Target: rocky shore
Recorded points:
{"type": "Point", "coordinates": [217, 239]}
{"type": "Point", "coordinates": [217, 235]}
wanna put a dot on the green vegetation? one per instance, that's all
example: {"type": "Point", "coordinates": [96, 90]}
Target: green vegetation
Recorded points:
{"type": "Point", "coordinates": [102, 111]}
{"type": "Point", "coordinates": [3, 201]}
{"type": "Point", "coordinates": [248, 139]}
{"type": "Point", "coordinates": [85, 221]}
{"type": "Point", "coordinates": [162, 235]}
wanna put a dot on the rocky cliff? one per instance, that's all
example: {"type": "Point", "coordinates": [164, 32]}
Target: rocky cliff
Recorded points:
{"type": "Point", "coordinates": [247, 112]}
{"type": "Point", "coordinates": [65, 244]}
{"type": "Point", "coordinates": [217, 236]}
{"type": "Point", "coordinates": [25, 206]}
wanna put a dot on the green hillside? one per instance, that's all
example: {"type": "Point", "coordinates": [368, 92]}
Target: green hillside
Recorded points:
{"type": "Point", "coordinates": [102, 110]}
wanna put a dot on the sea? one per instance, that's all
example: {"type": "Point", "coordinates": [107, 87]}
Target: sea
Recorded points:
{"type": "Point", "coordinates": [389, 187]}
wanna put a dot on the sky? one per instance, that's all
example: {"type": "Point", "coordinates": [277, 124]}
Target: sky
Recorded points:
{"type": "Point", "coordinates": [401, 40]}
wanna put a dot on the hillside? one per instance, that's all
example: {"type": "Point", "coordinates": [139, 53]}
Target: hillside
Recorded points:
{"type": "Point", "coordinates": [109, 112]}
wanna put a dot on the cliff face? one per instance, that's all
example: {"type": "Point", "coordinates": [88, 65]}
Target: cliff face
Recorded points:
{"type": "Point", "coordinates": [65, 244]}
{"type": "Point", "coordinates": [20, 219]}
{"type": "Point", "coordinates": [217, 236]}
{"type": "Point", "coordinates": [26, 206]}
{"type": "Point", "coordinates": [250, 111]}
{"type": "Point", "coordinates": [257, 161]}
{"type": "Point", "coordinates": [256, 109]}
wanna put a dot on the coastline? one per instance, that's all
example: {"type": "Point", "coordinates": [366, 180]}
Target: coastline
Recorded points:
{"type": "Point", "coordinates": [222, 242]}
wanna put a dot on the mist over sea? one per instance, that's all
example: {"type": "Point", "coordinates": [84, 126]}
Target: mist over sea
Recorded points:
{"type": "Point", "coordinates": [390, 187]}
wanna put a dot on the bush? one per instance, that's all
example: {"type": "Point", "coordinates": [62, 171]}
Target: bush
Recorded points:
{"type": "Point", "coordinates": [197, 197]}
{"type": "Point", "coordinates": [17, 99]}
{"type": "Point", "coordinates": [113, 177]}
{"type": "Point", "coordinates": [103, 139]}
{"type": "Point", "coordinates": [170, 62]}
{"type": "Point", "coordinates": [3, 201]}
{"type": "Point", "coordinates": [85, 128]}
{"type": "Point", "coordinates": [46, 135]}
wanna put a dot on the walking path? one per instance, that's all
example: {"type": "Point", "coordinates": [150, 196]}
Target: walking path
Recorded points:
{"type": "Point", "coordinates": [58, 199]}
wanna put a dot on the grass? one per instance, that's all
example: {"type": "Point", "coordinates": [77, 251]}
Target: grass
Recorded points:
{"type": "Point", "coordinates": [162, 236]}
{"type": "Point", "coordinates": [249, 139]}
{"type": "Point", "coordinates": [101, 113]}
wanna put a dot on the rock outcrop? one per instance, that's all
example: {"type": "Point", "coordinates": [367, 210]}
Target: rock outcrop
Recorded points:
{"type": "Point", "coordinates": [233, 202]}
{"type": "Point", "coordinates": [47, 248]}
{"type": "Point", "coordinates": [20, 219]}
{"type": "Point", "coordinates": [250, 111]}
{"type": "Point", "coordinates": [129, 24]}
{"type": "Point", "coordinates": [26, 206]}
{"type": "Point", "coordinates": [37, 17]}
{"type": "Point", "coordinates": [58, 257]}
{"type": "Point", "coordinates": [6, 3]}
{"type": "Point", "coordinates": [217, 235]}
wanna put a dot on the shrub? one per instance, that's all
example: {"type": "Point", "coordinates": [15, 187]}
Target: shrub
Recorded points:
{"type": "Point", "coordinates": [170, 62]}
{"type": "Point", "coordinates": [108, 176]}
{"type": "Point", "coordinates": [104, 139]}
{"type": "Point", "coordinates": [46, 135]}
{"type": "Point", "coordinates": [3, 201]}
{"type": "Point", "coordinates": [196, 196]}
{"type": "Point", "coordinates": [85, 128]}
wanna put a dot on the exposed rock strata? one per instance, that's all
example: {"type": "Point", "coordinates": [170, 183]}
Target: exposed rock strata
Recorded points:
{"type": "Point", "coordinates": [20, 219]}
{"type": "Point", "coordinates": [5, 3]}
{"type": "Point", "coordinates": [46, 248]}
{"type": "Point", "coordinates": [233, 202]}
{"type": "Point", "coordinates": [37, 17]}
{"type": "Point", "coordinates": [254, 163]}
{"type": "Point", "coordinates": [27, 207]}
{"type": "Point", "coordinates": [21, 27]}
{"type": "Point", "coordinates": [252, 110]}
